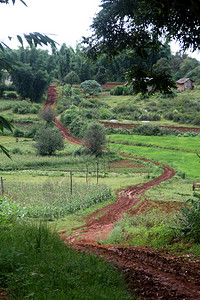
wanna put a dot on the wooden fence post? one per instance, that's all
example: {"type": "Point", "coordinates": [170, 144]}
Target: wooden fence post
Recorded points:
{"type": "Point", "coordinates": [97, 171]}
{"type": "Point", "coordinates": [71, 182]}
{"type": "Point", "coordinates": [86, 173]}
{"type": "Point", "coordinates": [2, 187]}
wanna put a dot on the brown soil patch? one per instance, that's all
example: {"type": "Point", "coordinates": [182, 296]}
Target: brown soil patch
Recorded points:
{"type": "Point", "coordinates": [125, 164]}
{"type": "Point", "coordinates": [153, 275]}
{"type": "Point", "coordinates": [110, 85]}
{"type": "Point", "coordinates": [3, 294]}
{"type": "Point", "coordinates": [166, 207]}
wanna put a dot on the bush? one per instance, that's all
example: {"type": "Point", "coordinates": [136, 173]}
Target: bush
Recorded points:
{"type": "Point", "coordinates": [18, 132]}
{"type": "Point", "coordinates": [10, 95]}
{"type": "Point", "coordinates": [78, 127]}
{"type": "Point", "coordinates": [26, 107]}
{"type": "Point", "coordinates": [48, 141]}
{"type": "Point", "coordinates": [47, 114]}
{"type": "Point", "coordinates": [146, 130]}
{"type": "Point", "coordinates": [82, 151]}
{"type": "Point", "coordinates": [32, 132]}
{"type": "Point", "coordinates": [117, 91]}
{"type": "Point", "coordinates": [190, 219]}
{"type": "Point", "coordinates": [91, 87]}
{"type": "Point", "coordinates": [121, 90]}
{"type": "Point", "coordinates": [69, 115]}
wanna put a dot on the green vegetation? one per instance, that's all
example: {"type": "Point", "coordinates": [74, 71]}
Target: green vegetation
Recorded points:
{"type": "Point", "coordinates": [179, 143]}
{"type": "Point", "coordinates": [185, 162]}
{"type": "Point", "coordinates": [95, 138]}
{"type": "Point", "coordinates": [36, 264]}
{"type": "Point", "coordinates": [48, 141]}
{"type": "Point", "coordinates": [55, 200]}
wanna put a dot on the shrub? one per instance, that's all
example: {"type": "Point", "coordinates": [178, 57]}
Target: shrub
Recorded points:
{"type": "Point", "coordinates": [32, 132]}
{"type": "Point", "coordinates": [78, 127]}
{"type": "Point", "coordinates": [190, 219]}
{"type": "Point", "coordinates": [82, 151]}
{"type": "Point", "coordinates": [18, 132]}
{"type": "Point", "coordinates": [10, 95]}
{"type": "Point", "coordinates": [26, 107]}
{"type": "Point", "coordinates": [47, 114]}
{"type": "Point", "coordinates": [91, 87]}
{"type": "Point", "coordinates": [48, 141]}
{"type": "Point", "coordinates": [118, 90]}
{"type": "Point", "coordinates": [146, 130]}
{"type": "Point", "coordinates": [69, 115]}
{"type": "Point", "coordinates": [17, 151]}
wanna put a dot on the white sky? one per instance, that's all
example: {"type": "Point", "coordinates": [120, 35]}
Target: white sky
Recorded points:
{"type": "Point", "coordinates": [65, 21]}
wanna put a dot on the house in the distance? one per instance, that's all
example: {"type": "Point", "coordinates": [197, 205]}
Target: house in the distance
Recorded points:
{"type": "Point", "coordinates": [184, 84]}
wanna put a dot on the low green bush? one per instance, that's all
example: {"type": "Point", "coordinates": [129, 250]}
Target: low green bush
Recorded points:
{"type": "Point", "coordinates": [26, 107]}
{"type": "Point", "coordinates": [189, 219]}
{"type": "Point", "coordinates": [18, 132]}
{"type": "Point", "coordinates": [10, 95]}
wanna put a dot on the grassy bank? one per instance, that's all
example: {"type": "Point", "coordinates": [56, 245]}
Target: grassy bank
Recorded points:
{"type": "Point", "coordinates": [36, 264]}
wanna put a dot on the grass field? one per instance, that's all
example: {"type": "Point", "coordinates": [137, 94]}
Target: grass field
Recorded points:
{"type": "Point", "coordinates": [186, 162]}
{"type": "Point", "coordinates": [190, 144]}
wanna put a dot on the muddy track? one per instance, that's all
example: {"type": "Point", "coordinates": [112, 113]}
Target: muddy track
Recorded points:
{"type": "Point", "coordinates": [152, 275]}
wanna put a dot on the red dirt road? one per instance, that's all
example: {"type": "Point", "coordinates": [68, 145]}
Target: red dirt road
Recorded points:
{"type": "Point", "coordinates": [152, 275]}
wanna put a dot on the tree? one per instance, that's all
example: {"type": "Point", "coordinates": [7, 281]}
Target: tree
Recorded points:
{"type": "Point", "coordinates": [95, 138]}
{"type": "Point", "coordinates": [7, 64]}
{"type": "Point", "coordinates": [91, 87]}
{"type": "Point", "coordinates": [138, 27]}
{"type": "Point", "coordinates": [48, 141]}
{"type": "Point", "coordinates": [187, 65]}
{"type": "Point", "coordinates": [30, 75]}
{"type": "Point", "coordinates": [72, 78]}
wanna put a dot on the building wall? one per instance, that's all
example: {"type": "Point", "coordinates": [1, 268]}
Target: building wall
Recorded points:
{"type": "Point", "coordinates": [188, 85]}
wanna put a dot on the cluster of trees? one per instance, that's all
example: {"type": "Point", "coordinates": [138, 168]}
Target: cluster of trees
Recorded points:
{"type": "Point", "coordinates": [139, 28]}
{"type": "Point", "coordinates": [36, 68]}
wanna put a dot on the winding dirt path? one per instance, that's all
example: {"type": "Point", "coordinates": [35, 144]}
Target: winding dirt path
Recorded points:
{"type": "Point", "coordinates": [153, 275]}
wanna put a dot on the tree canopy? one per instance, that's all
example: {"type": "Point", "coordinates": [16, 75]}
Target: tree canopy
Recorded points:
{"type": "Point", "coordinates": [140, 27]}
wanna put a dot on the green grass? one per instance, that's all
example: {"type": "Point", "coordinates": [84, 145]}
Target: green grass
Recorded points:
{"type": "Point", "coordinates": [173, 190]}
{"type": "Point", "coordinates": [35, 264]}
{"type": "Point", "coordinates": [190, 144]}
{"type": "Point", "coordinates": [186, 162]}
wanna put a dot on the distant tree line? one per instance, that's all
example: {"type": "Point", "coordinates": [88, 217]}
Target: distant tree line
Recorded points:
{"type": "Point", "coordinates": [35, 69]}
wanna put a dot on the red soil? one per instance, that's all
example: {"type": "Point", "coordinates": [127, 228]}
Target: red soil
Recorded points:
{"type": "Point", "coordinates": [152, 275]}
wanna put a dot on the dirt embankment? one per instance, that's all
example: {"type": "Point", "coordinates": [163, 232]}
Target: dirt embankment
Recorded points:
{"type": "Point", "coordinates": [153, 275]}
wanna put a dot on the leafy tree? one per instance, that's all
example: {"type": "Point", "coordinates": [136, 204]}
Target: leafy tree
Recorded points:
{"type": "Point", "coordinates": [30, 76]}
{"type": "Point", "coordinates": [72, 78]}
{"type": "Point", "coordinates": [102, 75]}
{"type": "Point", "coordinates": [139, 26]}
{"type": "Point", "coordinates": [91, 87]}
{"type": "Point", "coordinates": [187, 65]}
{"type": "Point", "coordinates": [95, 138]}
{"type": "Point", "coordinates": [7, 63]}
{"type": "Point", "coordinates": [48, 141]}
